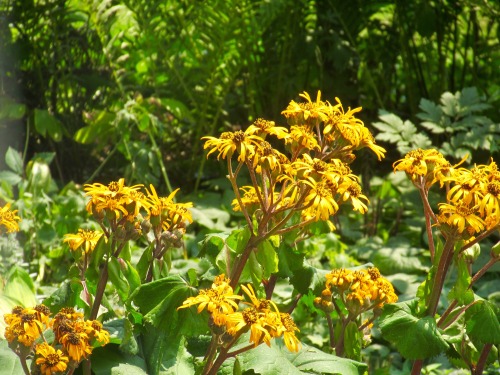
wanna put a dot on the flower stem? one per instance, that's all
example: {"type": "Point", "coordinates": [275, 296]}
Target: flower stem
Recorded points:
{"type": "Point", "coordinates": [443, 266]}
{"type": "Point", "coordinates": [101, 286]}
{"type": "Point", "coordinates": [482, 359]}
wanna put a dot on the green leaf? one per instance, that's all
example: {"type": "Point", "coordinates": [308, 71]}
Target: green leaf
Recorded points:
{"type": "Point", "coordinates": [14, 161]}
{"type": "Point", "coordinates": [414, 338]}
{"type": "Point", "coordinates": [461, 291]}
{"type": "Point", "coordinates": [68, 294]}
{"type": "Point", "coordinates": [308, 277]}
{"type": "Point", "coordinates": [47, 125]}
{"type": "Point", "coordinates": [277, 360]}
{"type": "Point", "coordinates": [108, 360]}
{"type": "Point", "coordinates": [267, 258]}
{"type": "Point", "coordinates": [398, 258]}
{"type": "Point", "coordinates": [352, 341]}
{"type": "Point", "coordinates": [289, 260]}
{"type": "Point", "coordinates": [9, 361]}
{"type": "Point", "coordinates": [20, 288]}
{"type": "Point", "coordinates": [158, 302]}
{"type": "Point", "coordinates": [482, 322]}
{"type": "Point", "coordinates": [178, 360]}
{"type": "Point", "coordinates": [10, 178]}
{"type": "Point", "coordinates": [117, 279]}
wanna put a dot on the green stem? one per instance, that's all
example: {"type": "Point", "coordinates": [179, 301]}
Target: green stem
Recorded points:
{"type": "Point", "coordinates": [156, 150]}
{"type": "Point", "coordinates": [252, 243]}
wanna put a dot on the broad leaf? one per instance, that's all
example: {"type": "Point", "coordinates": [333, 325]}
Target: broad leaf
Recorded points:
{"type": "Point", "coordinates": [164, 324]}
{"type": "Point", "coordinates": [177, 360]}
{"type": "Point", "coordinates": [414, 338]}
{"type": "Point", "coordinates": [20, 288]}
{"type": "Point", "coordinates": [109, 360]}
{"type": "Point", "coordinates": [482, 322]}
{"type": "Point", "coordinates": [14, 161]}
{"type": "Point", "coordinates": [9, 361]}
{"type": "Point", "coordinates": [277, 360]}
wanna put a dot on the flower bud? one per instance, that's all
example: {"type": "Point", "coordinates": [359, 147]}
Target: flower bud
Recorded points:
{"type": "Point", "coordinates": [470, 255]}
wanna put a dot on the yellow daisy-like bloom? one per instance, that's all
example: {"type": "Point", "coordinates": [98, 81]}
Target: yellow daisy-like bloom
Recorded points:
{"type": "Point", "coordinates": [262, 127]}
{"type": "Point", "coordinates": [229, 142]}
{"type": "Point", "coordinates": [26, 324]}
{"type": "Point", "coordinates": [116, 198]}
{"type": "Point", "coordinates": [266, 156]}
{"type": "Point", "coordinates": [9, 219]}
{"type": "Point", "coordinates": [257, 322]}
{"type": "Point", "coordinates": [354, 193]}
{"type": "Point", "coordinates": [76, 344]}
{"type": "Point", "coordinates": [94, 330]}
{"type": "Point", "coordinates": [260, 304]}
{"type": "Point", "coordinates": [367, 140]}
{"type": "Point", "coordinates": [85, 239]}
{"type": "Point", "coordinates": [302, 137]}
{"type": "Point", "coordinates": [289, 329]}
{"type": "Point", "coordinates": [340, 120]}
{"type": "Point", "coordinates": [297, 113]}
{"type": "Point", "coordinates": [50, 360]}
{"type": "Point", "coordinates": [250, 199]}
{"type": "Point", "coordinates": [219, 298]}
{"type": "Point", "coordinates": [162, 210]}
{"type": "Point", "coordinates": [321, 199]}
{"type": "Point", "coordinates": [490, 202]}
{"type": "Point", "coordinates": [467, 185]}
{"type": "Point", "coordinates": [341, 279]}
{"type": "Point", "coordinates": [461, 216]}
{"type": "Point", "coordinates": [420, 163]}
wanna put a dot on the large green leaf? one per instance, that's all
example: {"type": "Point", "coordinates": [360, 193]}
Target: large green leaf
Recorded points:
{"type": "Point", "coordinates": [482, 322]}
{"type": "Point", "coordinates": [20, 288]}
{"type": "Point", "coordinates": [415, 338]}
{"type": "Point", "coordinates": [164, 324]}
{"type": "Point", "coordinates": [9, 361]}
{"type": "Point", "coordinates": [177, 360]}
{"type": "Point", "coordinates": [109, 360]}
{"type": "Point", "coordinates": [277, 360]}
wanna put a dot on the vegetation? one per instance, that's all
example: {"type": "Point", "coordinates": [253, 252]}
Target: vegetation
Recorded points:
{"type": "Point", "coordinates": [293, 226]}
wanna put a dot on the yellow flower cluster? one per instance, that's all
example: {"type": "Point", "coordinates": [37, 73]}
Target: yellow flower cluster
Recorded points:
{"type": "Point", "coordinates": [473, 195]}
{"type": "Point", "coordinates": [125, 206]}
{"type": "Point", "coordinates": [73, 341]}
{"type": "Point", "coordinates": [261, 317]}
{"type": "Point", "coordinates": [359, 290]}
{"type": "Point", "coordinates": [9, 221]}
{"type": "Point", "coordinates": [308, 172]}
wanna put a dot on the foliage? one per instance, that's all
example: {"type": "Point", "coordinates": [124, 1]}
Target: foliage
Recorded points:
{"type": "Point", "coordinates": [135, 84]}
{"type": "Point", "coordinates": [455, 124]}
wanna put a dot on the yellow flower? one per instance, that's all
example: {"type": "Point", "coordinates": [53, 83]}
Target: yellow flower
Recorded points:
{"type": "Point", "coordinates": [219, 298]}
{"type": "Point", "coordinates": [353, 192]}
{"type": "Point", "coordinates": [262, 304]}
{"type": "Point", "coordinates": [229, 142]}
{"type": "Point", "coordinates": [26, 324]}
{"type": "Point", "coordinates": [490, 202]}
{"type": "Point", "coordinates": [95, 331]}
{"type": "Point", "coordinates": [266, 156]}
{"type": "Point", "coordinates": [250, 199]}
{"type": "Point", "coordinates": [86, 239]}
{"type": "Point", "coordinates": [341, 279]}
{"type": "Point", "coordinates": [289, 328]}
{"type": "Point", "coordinates": [299, 112]}
{"type": "Point", "coordinates": [76, 345]}
{"type": "Point", "coordinates": [302, 137]}
{"type": "Point", "coordinates": [262, 127]}
{"type": "Point", "coordinates": [321, 199]}
{"type": "Point", "coordinates": [115, 198]}
{"type": "Point", "coordinates": [9, 219]}
{"type": "Point", "coordinates": [250, 318]}
{"type": "Point", "coordinates": [461, 216]}
{"type": "Point", "coordinates": [162, 210]}
{"type": "Point", "coordinates": [420, 163]}
{"type": "Point", "coordinates": [50, 360]}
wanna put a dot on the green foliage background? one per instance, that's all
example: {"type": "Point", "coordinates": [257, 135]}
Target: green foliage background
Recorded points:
{"type": "Point", "coordinates": [100, 90]}
{"type": "Point", "coordinates": [128, 87]}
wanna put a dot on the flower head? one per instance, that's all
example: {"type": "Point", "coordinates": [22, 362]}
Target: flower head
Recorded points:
{"type": "Point", "coordinates": [85, 240]}
{"type": "Point", "coordinates": [50, 360]}
{"type": "Point", "coordinates": [9, 219]}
